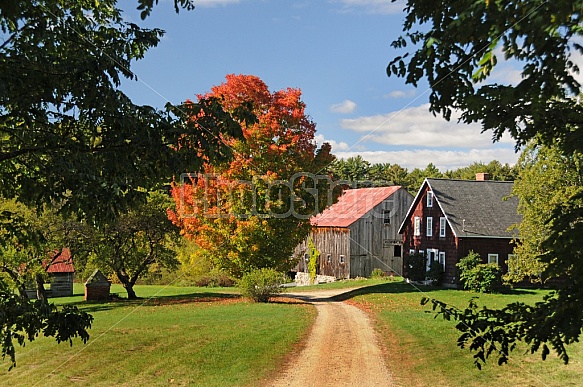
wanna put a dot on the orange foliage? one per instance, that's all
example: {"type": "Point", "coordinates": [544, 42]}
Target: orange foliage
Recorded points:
{"type": "Point", "coordinates": [225, 210]}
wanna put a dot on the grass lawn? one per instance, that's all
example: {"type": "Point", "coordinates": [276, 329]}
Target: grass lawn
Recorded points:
{"type": "Point", "coordinates": [422, 350]}
{"type": "Point", "coordinates": [184, 336]}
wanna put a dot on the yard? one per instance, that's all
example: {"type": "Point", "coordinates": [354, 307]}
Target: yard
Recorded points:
{"type": "Point", "coordinates": [203, 336]}
{"type": "Point", "coordinates": [184, 336]}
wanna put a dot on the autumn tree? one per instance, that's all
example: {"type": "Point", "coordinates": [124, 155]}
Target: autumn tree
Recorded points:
{"type": "Point", "coordinates": [253, 211]}
{"type": "Point", "coordinates": [455, 47]}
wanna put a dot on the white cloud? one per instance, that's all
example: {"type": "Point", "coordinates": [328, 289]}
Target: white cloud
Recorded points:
{"type": "Point", "coordinates": [374, 6]}
{"type": "Point", "coordinates": [401, 94]}
{"type": "Point", "coordinates": [344, 107]}
{"type": "Point", "coordinates": [336, 146]}
{"type": "Point", "coordinates": [442, 159]}
{"type": "Point", "coordinates": [214, 3]}
{"type": "Point", "coordinates": [416, 126]}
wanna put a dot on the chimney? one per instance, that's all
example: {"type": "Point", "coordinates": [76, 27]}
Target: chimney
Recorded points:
{"type": "Point", "coordinates": [482, 176]}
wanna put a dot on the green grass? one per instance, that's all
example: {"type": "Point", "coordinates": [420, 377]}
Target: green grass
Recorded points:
{"type": "Point", "coordinates": [181, 337]}
{"type": "Point", "coordinates": [422, 350]}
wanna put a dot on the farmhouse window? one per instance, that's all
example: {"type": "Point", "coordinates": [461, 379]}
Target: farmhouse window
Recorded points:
{"type": "Point", "coordinates": [341, 258]}
{"type": "Point", "coordinates": [411, 252]}
{"type": "Point", "coordinates": [442, 226]}
{"type": "Point", "coordinates": [328, 258]}
{"type": "Point", "coordinates": [493, 258]}
{"type": "Point", "coordinates": [429, 199]}
{"type": "Point", "coordinates": [417, 226]}
{"type": "Point", "coordinates": [429, 223]}
{"type": "Point", "coordinates": [442, 259]}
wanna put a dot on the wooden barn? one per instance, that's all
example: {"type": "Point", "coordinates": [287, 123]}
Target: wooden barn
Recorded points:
{"type": "Point", "coordinates": [359, 233]}
{"type": "Point", "coordinates": [448, 218]}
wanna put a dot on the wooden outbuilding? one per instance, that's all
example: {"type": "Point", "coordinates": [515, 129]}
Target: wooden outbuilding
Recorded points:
{"type": "Point", "coordinates": [97, 287]}
{"type": "Point", "coordinates": [61, 274]}
{"type": "Point", "coordinates": [449, 218]}
{"type": "Point", "coordinates": [359, 233]}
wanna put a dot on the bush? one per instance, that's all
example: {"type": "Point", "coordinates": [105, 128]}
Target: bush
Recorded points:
{"type": "Point", "coordinates": [477, 276]}
{"type": "Point", "coordinates": [377, 273]}
{"type": "Point", "coordinates": [261, 284]}
{"type": "Point", "coordinates": [435, 273]}
{"type": "Point", "coordinates": [214, 280]}
{"type": "Point", "coordinates": [416, 265]}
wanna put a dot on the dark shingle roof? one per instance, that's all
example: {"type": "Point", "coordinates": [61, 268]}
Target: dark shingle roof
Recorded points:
{"type": "Point", "coordinates": [477, 208]}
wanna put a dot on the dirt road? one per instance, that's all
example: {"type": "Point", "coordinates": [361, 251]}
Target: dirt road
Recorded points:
{"type": "Point", "coordinates": [341, 350]}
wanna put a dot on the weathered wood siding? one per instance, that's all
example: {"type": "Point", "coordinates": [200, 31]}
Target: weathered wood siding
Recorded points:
{"type": "Point", "coordinates": [61, 284]}
{"type": "Point", "coordinates": [374, 241]}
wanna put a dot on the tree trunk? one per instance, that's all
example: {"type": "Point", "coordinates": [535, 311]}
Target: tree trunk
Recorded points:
{"type": "Point", "coordinates": [41, 293]}
{"type": "Point", "coordinates": [129, 287]}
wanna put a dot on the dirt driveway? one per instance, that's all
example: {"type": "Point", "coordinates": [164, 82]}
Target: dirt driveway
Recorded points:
{"type": "Point", "coordinates": [341, 349]}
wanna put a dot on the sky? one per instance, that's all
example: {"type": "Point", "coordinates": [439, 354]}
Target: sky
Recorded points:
{"type": "Point", "coordinates": [335, 51]}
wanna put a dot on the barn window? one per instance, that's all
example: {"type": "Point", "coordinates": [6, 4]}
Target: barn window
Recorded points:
{"type": "Point", "coordinates": [397, 251]}
{"type": "Point", "coordinates": [493, 258]}
{"type": "Point", "coordinates": [387, 217]}
{"type": "Point", "coordinates": [442, 224]}
{"type": "Point", "coordinates": [341, 258]}
{"type": "Point", "coordinates": [429, 199]}
{"type": "Point", "coordinates": [306, 257]}
{"type": "Point", "coordinates": [328, 258]}
{"type": "Point", "coordinates": [411, 252]}
{"type": "Point", "coordinates": [429, 223]}
{"type": "Point", "coordinates": [417, 226]}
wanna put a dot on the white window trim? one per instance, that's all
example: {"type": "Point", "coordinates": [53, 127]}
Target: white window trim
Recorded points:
{"type": "Point", "coordinates": [442, 226]}
{"type": "Point", "coordinates": [429, 199]}
{"type": "Point", "coordinates": [342, 259]}
{"type": "Point", "coordinates": [429, 226]}
{"type": "Point", "coordinates": [417, 226]}
{"type": "Point", "coordinates": [433, 255]}
{"type": "Point", "coordinates": [493, 256]}
{"type": "Point", "coordinates": [442, 259]}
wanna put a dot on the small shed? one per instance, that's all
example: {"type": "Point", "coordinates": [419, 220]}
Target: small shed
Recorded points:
{"type": "Point", "coordinates": [97, 287]}
{"type": "Point", "coordinates": [61, 272]}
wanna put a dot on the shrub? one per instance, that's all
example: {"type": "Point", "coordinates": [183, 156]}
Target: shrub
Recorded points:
{"type": "Point", "coordinates": [261, 284]}
{"type": "Point", "coordinates": [477, 276]}
{"type": "Point", "coordinates": [377, 273]}
{"type": "Point", "coordinates": [313, 262]}
{"type": "Point", "coordinates": [435, 273]}
{"type": "Point", "coordinates": [214, 279]}
{"type": "Point", "coordinates": [416, 264]}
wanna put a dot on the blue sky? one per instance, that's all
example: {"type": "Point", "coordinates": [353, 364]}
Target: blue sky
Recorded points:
{"type": "Point", "coordinates": [335, 51]}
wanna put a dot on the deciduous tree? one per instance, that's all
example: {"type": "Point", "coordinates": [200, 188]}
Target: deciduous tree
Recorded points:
{"type": "Point", "coordinates": [253, 211]}
{"type": "Point", "coordinates": [454, 46]}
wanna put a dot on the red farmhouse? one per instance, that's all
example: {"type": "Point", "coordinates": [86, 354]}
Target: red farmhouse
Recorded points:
{"type": "Point", "coordinates": [448, 218]}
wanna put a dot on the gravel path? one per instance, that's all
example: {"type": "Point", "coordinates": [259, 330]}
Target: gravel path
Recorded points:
{"type": "Point", "coordinates": [341, 350]}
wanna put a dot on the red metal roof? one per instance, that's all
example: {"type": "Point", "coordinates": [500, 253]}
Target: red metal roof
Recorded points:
{"type": "Point", "coordinates": [62, 263]}
{"type": "Point", "coordinates": [352, 205]}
